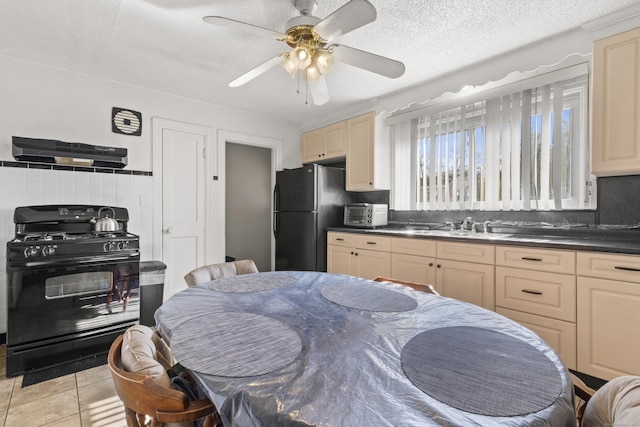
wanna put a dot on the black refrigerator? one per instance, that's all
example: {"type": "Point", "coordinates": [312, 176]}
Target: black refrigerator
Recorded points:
{"type": "Point", "coordinates": [306, 201]}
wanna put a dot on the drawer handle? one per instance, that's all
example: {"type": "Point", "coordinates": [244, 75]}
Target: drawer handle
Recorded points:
{"type": "Point", "coordinates": [526, 258]}
{"type": "Point", "coordinates": [626, 268]}
{"type": "Point", "coordinates": [339, 240]}
{"type": "Point", "coordinates": [529, 291]}
{"type": "Point", "coordinates": [371, 243]}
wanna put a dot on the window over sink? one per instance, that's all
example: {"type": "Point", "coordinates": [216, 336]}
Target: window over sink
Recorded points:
{"type": "Point", "coordinates": [519, 146]}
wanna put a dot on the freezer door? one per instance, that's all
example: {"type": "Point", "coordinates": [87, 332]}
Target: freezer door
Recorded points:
{"type": "Point", "coordinates": [296, 240]}
{"type": "Point", "coordinates": [296, 189]}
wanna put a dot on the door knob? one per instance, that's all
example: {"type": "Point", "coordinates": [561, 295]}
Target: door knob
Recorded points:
{"type": "Point", "coordinates": [167, 230]}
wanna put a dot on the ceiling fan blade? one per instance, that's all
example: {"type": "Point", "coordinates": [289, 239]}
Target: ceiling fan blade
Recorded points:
{"type": "Point", "coordinates": [255, 72]}
{"type": "Point", "coordinates": [352, 15]}
{"type": "Point", "coordinates": [319, 91]}
{"type": "Point", "coordinates": [368, 61]}
{"type": "Point", "coordinates": [243, 26]}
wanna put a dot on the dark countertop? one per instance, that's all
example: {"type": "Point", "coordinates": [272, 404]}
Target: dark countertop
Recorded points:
{"type": "Point", "coordinates": [622, 243]}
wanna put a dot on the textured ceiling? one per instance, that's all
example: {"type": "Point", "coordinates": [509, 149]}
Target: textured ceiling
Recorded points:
{"type": "Point", "coordinates": [165, 45]}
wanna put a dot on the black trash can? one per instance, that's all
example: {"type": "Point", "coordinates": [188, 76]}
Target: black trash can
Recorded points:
{"type": "Point", "coordinates": [151, 290]}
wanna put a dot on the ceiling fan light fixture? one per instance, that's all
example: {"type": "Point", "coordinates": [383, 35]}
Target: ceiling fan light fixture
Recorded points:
{"type": "Point", "coordinates": [289, 66]}
{"type": "Point", "coordinates": [301, 56]}
{"type": "Point", "coordinates": [312, 72]}
{"type": "Point", "coordinates": [324, 60]}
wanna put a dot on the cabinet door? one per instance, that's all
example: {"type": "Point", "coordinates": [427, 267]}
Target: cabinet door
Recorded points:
{"type": "Point", "coordinates": [335, 140]}
{"type": "Point", "coordinates": [465, 281]}
{"type": "Point", "coordinates": [371, 264]}
{"type": "Point", "coordinates": [339, 259]}
{"type": "Point", "coordinates": [615, 140]}
{"type": "Point", "coordinates": [608, 333]}
{"type": "Point", "coordinates": [360, 137]}
{"type": "Point", "coordinates": [311, 147]}
{"type": "Point", "coordinates": [412, 268]}
{"type": "Point", "coordinates": [560, 335]}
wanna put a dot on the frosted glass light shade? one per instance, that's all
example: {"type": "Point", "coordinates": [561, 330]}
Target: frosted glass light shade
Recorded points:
{"type": "Point", "coordinates": [324, 61]}
{"type": "Point", "coordinates": [289, 65]}
{"type": "Point", "coordinates": [301, 57]}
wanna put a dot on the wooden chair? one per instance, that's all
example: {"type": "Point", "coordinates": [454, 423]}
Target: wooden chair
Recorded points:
{"type": "Point", "coordinates": [143, 396]}
{"type": "Point", "coordinates": [617, 403]}
{"type": "Point", "coordinates": [417, 286]}
{"type": "Point", "coordinates": [211, 272]}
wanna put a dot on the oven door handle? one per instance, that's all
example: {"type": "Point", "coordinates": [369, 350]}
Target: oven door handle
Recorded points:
{"type": "Point", "coordinates": [49, 262]}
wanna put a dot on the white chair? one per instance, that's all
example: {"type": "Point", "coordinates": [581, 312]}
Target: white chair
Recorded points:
{"type": "Point", "coordinates": [616, 404]}
{"type": "Point", "coordinates": [211, 272]}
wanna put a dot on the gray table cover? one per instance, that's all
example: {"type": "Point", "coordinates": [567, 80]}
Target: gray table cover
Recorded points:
{"type": "Point", "coordinates": [349, 371]}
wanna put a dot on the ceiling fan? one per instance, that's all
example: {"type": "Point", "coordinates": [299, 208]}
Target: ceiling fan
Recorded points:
{"type": "Point", "coordinates": [311, 53]}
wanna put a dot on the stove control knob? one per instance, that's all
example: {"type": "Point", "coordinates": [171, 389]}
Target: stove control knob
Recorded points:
{"type": "Point", "coordinates": [123, 245]}
{"type": "Point", "coordinates": [109, 246]}
{"type": "Point", "coordinates": [31, 251]}
{"type": "Point", "coordinates": [49, 250]}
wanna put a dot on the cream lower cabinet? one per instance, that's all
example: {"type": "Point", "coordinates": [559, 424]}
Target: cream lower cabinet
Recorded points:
{"type": "Point", "coordinates": [465, 271]}
{"type": "Point", "coordinates": [417, 261]}
{"type": "Point", "coordinates": [413, 260]}
{"type": "Point", "coordinates": [608, 314]}
{"type": "Point", "coordinates": [537, 288]}
{"type": "Point", "coordinates": [359, 255]}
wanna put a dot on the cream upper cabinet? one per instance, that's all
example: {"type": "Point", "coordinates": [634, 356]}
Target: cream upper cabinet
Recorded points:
{"type": "Point", "coordinates": [361, 134]}
{"type": "Point", "coordinates": [327, 143]}
{"type": "Point", "coordinates": [608, 315]}
{"type": "Point", "coordinates": [368, 161]}
{"type": "Point", "coordinates": [615, 137]}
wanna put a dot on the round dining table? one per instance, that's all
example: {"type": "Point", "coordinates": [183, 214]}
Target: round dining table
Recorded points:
{"type": "Point", "coordinates": [290, 348]}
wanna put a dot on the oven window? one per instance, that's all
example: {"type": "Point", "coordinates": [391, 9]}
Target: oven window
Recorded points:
{"type": "Point", "coordinates": [78, 284]}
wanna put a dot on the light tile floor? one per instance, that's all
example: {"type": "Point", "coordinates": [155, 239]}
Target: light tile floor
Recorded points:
{"type": "Point", "coordinates": [83, 399]}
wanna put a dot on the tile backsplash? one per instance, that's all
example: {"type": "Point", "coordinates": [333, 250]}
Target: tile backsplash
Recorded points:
{"type": "Point", "coordinates": [26, 186]}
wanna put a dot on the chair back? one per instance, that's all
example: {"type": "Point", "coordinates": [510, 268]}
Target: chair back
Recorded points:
{"type": "Point", "coordinates": [211, 272]}
{"type": "Point", "coordinates": [142, 395]}
{"type": "Point", "coordinates": [417, 286]}
{"type": "Point", "coordinates": [617, 403]}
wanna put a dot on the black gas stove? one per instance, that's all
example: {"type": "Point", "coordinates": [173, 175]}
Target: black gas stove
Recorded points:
{"type": "Point", "coordinates": [71, 289]}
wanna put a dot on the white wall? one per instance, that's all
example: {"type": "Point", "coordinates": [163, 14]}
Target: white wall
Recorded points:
{"type": "Point", "coordinates": [45, 102]}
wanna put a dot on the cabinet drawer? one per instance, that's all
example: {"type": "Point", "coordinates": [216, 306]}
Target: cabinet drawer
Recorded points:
{"type": "Point", "coordinates": [560, 335]}
{"type": "Point", "coordinates": [541, 293]}
{"type": "Point", "coordinates": [373, 243]}
{"type": "Point", "coordinates": [420, 247]}
{"type": "Point", "coordinates": [470, 252]}
{"type": "Point", "coordinates": [551, 260]}
{"type": "Point", "coordinates": [341, 239]}
{"type": "Point", "coordinates": [609, 266]}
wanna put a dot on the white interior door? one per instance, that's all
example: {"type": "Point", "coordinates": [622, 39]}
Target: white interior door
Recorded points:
{"type": "Point", "coordinates": [183, 207]}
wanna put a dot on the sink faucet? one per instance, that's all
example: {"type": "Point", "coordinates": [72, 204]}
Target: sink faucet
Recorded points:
{"type": "Point", "coordinates": [466, 223]}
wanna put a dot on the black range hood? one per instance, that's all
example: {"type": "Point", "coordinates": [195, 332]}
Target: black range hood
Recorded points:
{"type": "Point", "coordinates": [67, 153]}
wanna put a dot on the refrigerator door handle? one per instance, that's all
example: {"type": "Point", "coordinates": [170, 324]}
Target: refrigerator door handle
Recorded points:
{"type": "Point", "coordinates": [276, 197]}
{"type": "Point", "coordinates": [276, 232]}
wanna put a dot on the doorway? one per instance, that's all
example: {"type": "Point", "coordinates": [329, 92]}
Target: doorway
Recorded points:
{"type": "Point", "coordinates": [248, 204]}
